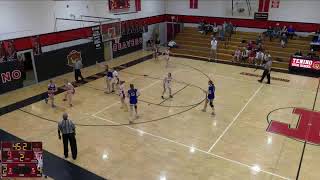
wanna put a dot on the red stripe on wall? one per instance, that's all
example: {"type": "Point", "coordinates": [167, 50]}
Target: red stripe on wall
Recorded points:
{"type": "Point", "coordinates": [55, 38]}
{"type": "Point", "coordinates": [22, 44]}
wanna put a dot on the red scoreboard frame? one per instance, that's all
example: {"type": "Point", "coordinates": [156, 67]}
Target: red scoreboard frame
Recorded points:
{"type": "Point", "coordinates": [21, 159]}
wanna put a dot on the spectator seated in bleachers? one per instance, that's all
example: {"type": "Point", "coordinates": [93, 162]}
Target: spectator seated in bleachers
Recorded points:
{"type": "Point", "coordinates": [172, 44]}
{"type": "Point", "coordinates": [259, 47]}
{"type": "Point", "coordinates": [237, 55]}
{"type": "Point", "coordinates": [251, 46]}
{"type": "Point", "coordinates": [215, 29]}
{"type": "Point", "coordinates": [298, 53]}
{"type": "Point", "coordinates": [284, 30]}
{"type": "Point", "coordinates": [277, 30]}
{"type": "Point", "coordinates": [221, 34]}
{"type": "Point", "coordinates": [259, 40]}
{"type": "Point", "coordinates": [291, 32]}
{"type": "Point", "coordinates": [244, 54]}
{"type": "Point", "coordinates": [269, 33]}
{"type": "Point", "coordinates": [252, 56]}
{"type": "Point", "coordinates": [284, 40]}
{"type": "Point", "coordinates": [312, 54]}
{"type": "Point", "coordinates": [259, 57]}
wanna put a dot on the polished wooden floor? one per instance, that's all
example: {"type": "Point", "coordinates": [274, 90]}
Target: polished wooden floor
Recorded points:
{"type": "Point", "coordinates": [174, 139]}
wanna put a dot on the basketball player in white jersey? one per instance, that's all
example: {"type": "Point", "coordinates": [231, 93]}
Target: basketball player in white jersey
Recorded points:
{"type": "Point", "coordinates": [167, 85]}
{"type": "Point", "coordinates": [122, 95]}
{"type": "Point", "coordinates": [108, 76]}
{"type": "Point", "coordinates": [167, 57]}
{"type": "Point", "coordinates": [70, 91]}
{"type": "Point", "coordinates": [115, 80]}
{"type": "Point", "coordinates": [52, 88]}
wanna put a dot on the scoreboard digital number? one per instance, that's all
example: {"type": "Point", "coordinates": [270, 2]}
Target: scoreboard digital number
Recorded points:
{"type": "Point", "coordinates": [21, 159]}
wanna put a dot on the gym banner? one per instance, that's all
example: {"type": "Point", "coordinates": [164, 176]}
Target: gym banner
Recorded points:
{"type": "Point", "coordinates": [119, 5]}
{"type": "Point", "coordinates": [304, 63]}
{"type": "Point", "coordinates": [10, 76]}
{"type": "Point", "coordinates": [58, 62]}
{"type": "Point", "coordinates": [2, 53]}
{"type": "Point", "coordinates": [96, 36]}
{"type": "Point", "coordinates": [10, 51]}
{"type": "Point", "coordinates": [128, 43]}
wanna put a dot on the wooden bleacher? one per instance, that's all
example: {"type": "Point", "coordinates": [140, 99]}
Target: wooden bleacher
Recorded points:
{"type": "Point", "coordinates": [192, 43]}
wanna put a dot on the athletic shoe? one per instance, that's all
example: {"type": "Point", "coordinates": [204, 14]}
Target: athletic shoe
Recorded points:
{"type": "Point", "coordinates": [46, 100]}
{"type": "Point", "coordinates": [203, 110]}
{"type": "Point", "coordinates": [213, 113]}
{"type": "Point", "coordinates": [171, 96]}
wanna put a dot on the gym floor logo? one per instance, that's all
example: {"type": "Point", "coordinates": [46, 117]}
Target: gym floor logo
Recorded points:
{"type": "Point", "coordinates": [73, 56]}
{"type": "Point", "coordinates": [306, 130]}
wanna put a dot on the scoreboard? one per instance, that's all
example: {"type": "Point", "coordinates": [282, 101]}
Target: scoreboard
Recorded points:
{"type": "Point", "coordinates": [21, 159]}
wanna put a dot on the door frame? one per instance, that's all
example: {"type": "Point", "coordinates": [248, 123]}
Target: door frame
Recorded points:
{"type": "Point", "coordinates": [33, 63]}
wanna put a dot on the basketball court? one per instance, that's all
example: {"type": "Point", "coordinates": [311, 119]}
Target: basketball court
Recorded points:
{"type": "Point", "coordinates": [173, 139]}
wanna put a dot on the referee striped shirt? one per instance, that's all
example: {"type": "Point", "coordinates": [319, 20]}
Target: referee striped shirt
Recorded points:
{"type": "Point", "coordinates": [66, 127]}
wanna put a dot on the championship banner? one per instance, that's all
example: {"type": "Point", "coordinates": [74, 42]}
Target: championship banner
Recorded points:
{"type": "Point", "coordinates": [128, 43]}
{"type": "Point", "coordinates": [36, 47]}
{"type": "Point", "coordinates": [96, 36]}
{"type": "Point", "coordinates": [2, 53]}
{"type": "Point", "coordinates": [119, 5]}
{"type": "Point", "coordinates": [193, 4]}
{"type": "Point", "coordinates": [10, 76]}
{"type": "Point", "coordinates": [10, 50]}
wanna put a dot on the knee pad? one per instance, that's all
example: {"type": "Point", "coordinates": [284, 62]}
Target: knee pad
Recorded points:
{"type": "Point", "coordinates": [211, 104]}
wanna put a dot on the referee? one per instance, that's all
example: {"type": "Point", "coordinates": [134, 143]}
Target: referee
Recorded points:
{"type": "Point", "coordinates": [267, 69]}
{"type": "Point", "coordinates": [77, 71]}
{"type": "Point", "coordinates": [68, 130]}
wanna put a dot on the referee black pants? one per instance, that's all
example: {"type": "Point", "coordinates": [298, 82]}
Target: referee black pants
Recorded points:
{"type": "Point", "coordinates": [265, 73]}
{"type": "Point", "coordinates": [77, 74]}
{"type": "Point", "coordinates": [73, 144]}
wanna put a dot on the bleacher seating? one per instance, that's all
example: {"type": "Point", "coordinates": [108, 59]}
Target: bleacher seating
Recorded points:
{"type": "Point", "coordinates": [193, 43]}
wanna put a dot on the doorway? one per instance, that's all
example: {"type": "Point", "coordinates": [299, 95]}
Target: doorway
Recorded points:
{"type": "Point", "coordinates": [29, 74]}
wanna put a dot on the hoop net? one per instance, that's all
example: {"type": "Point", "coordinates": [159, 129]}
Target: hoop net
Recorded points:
{"type": "Point", "coordinates": [111, 31]}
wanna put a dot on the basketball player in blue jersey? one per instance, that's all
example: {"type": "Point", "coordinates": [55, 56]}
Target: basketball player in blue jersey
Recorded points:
{"type": "Point", "coordinates": [167, 85]}
{"type": "Point", "coordinates": [52, 88]}
{"type": "Point", "coordinates": [133, 100]}
{"type": "Point", "coordinates": [210, 97]}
